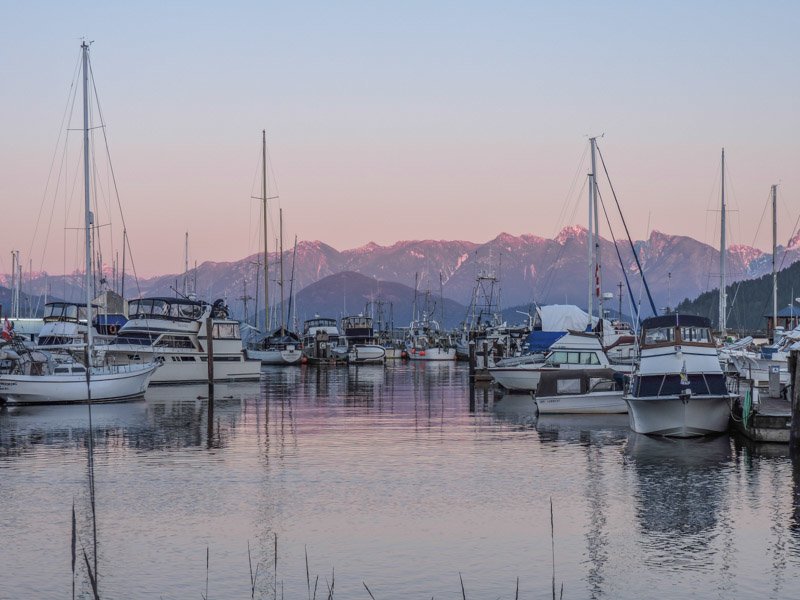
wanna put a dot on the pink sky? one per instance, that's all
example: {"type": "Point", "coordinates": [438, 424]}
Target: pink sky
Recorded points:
{"type": "Point", "coordinates": [475, 128]}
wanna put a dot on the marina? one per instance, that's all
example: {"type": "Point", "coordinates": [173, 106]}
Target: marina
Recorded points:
{"type": "Point", "coordinates": [400, 301]}
{"type": "Point", "coordinates": [438, 481]}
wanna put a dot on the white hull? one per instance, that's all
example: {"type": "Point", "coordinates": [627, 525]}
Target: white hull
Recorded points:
{"type": "Point", "coordinates": [275, 357]}
{"type": "Point", "coordinates": [118, 384]}
{"type": "Point", "coordinates": [518, 379]}
{"type": "Point", "coordinates": [394, 353]}
{"type": "Point", "coordinates": [673, 416]}
{"type": "Point", "coordinates": [366, 353]}
{"type": "Point", "coordinates": [757, 368]}
{"type": "Point", "coordinates": [431, 354]}
{"type": "Point", "coordinates": [595, 403]}
{"type": "Point", "coordinates": [182, 366]}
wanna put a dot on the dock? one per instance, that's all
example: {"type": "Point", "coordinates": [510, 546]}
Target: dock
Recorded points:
{"type": "Point", "coordinates": [769, 420]}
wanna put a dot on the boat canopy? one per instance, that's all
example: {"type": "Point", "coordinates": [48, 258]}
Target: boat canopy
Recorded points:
{"type": "Point", "coordinates": [178, 309]}
{"type": "Point", "coordinates": [66, 311]}
{"type": "Point", "coordinates": [562, 317]}
{"type": "Point", "coordinates": [578, 381]}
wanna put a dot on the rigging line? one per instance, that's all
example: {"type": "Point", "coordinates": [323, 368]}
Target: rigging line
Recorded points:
{"type": "Point", "coordinates": [785, 252]}
{"type": "Point", "coordinates": [630, 241]}
{"type": "Point", "coordinates": [114, 179]}
{"type": "Point", "coordinates": [550, 274]}
{"type": "Point", "coordinates": [616, 248]}
{"type": "Point", "coordinates": [70, 95]}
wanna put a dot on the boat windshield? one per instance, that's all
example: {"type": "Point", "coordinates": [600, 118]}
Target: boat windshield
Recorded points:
{"type": "Point", "coordinates": [156, 308]}
{"type": "Point", "coordinates": [698, 335]}
{"type": "Point", "coordinates": [62, 311]}
{"type": "Point", "coordinates": [660, 335]}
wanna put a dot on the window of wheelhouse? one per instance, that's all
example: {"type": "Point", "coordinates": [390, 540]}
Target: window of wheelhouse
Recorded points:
{"type": "Point", "coordinates": [697, 335]}
{"type": "Point", "coordinates": [659, 335]}
{"type": "Point", "coordinates": [225, 331]}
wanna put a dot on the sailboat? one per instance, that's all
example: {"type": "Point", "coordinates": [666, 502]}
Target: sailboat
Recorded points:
{"type": "Point", "coordinates": [280, 347]}
{"type": "Point", "coordinates": [37, 377]}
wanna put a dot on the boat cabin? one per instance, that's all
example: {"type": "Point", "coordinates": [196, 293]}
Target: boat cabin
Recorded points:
{"type": "Point", "coordinates": [358, 329]}
{"type": "Point", "coordinates": [676, 330]}
{"type": "Point", "coordinates": [66, 312]}
{"type": "Point", "coordinates": [563, 382]}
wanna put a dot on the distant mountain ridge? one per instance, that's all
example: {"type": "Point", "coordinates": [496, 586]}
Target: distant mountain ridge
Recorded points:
{"type": "Point", "coordinates": [530, 269]}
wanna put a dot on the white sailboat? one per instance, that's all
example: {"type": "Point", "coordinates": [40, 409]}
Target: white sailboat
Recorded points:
{"type": "Point", "coordinates": [37, 377]}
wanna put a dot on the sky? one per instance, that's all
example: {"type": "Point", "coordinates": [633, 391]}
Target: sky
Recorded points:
{"type": "Point", "coordinates": [396, 120]}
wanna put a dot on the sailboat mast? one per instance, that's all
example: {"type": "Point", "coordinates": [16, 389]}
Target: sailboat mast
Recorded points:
{"type": "Point", "coordinates": [291, 283]}
{"type": "Point", "coordinates": [598, 280]}
{"type": "Point", "coordinates": [186, 265]}
{"type": "Point", "coordinates": [266, 237]}
{"type": "Point", "coordinates": [774, 260]}
{"type": "Point", "coordinates": [124, 250]}
{"type": "Point", "coordinates": [590, 250]}
{"type": "Point", "coordinates": [723, 297]}
{"type": "Point", "coordinates": [87, 203]}
{"type": "Point", "coordinates": [280, 228]}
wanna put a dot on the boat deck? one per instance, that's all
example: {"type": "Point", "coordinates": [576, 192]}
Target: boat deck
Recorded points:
{"type": "Point", "coordinates": [770, 420]}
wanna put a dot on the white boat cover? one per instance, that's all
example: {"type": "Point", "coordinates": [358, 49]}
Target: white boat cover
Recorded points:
{"type": "Point", "coordinates": [565, 317]}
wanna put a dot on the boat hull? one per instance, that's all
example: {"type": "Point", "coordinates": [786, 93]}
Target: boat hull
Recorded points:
{"type": "Point", "coordinates": [679, 417]}
{"type": "Point", "coordinates": [121, 384]}
{"type": "Point", "coordinates": [433, 354]}
{"type": "Point", "coordinates": [180, 366]}
{"type": "Point", "coordinates": [275, 357]}
{"type": "Point", "coordinates": [596, 403]}
{"type": "Point", "coordinates": [365, 354]}
{"type": "Point", "coordinates": [517, 379]}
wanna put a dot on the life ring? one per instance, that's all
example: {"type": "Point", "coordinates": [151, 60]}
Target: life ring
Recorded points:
{"type": "Point", "coordinates": [113, 329]}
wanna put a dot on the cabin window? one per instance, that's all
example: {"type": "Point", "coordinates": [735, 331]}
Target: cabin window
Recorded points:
{"type": "Point", "coordinates": [598, 384]}
{"type": "Point", "coordinates": [226, 331]}
{"type": "Point", "coordinates": [568, 386]}
{"type": "Point", "coordinates": [557, 358]}
{"type": "Point", "coordinates": [574, 358]}
{"type": "Point", "coordinates": [174, 341]}
{"type": "Point", "coordinates": [659, 335]}
{"type": "Point", "coordinates": [700, 335]}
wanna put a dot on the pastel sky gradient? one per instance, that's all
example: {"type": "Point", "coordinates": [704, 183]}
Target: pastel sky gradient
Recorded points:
{"type": "Point", "coordinates": [404, 120]}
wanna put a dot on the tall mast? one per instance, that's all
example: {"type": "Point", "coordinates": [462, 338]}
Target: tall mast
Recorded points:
{"type": "Point", "coordinates": [186, 265]}
{"type": "Point", "coordinates": [598, 280]}
{"type": "Point", "coordinates": [87, 203]}
{"type": "Point", "coordinates": [723, 297]}
{"type": "Point", "coordinates": [280, 227]}
{"type": "Point", "coordinates": [774, 260]}
{"type": "Point", "coordinates": [590, 249]}
{"type": "Point", "coordinates": [266, 237]}
{"type": "Point", "coordinates": [124, 250]}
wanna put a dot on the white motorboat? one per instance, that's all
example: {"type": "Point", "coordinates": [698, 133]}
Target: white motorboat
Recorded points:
{"type": "Point", "coordinates": [678, 388]}
{"type": "Point", "coordinates": [322, 341]}
{"type": "Point", "coordinates": [277, 349]}
{"type": "Point", "coordinates": [575, 350]}
{"type": "Point", "coordinates": [581, 391]}
{"type": "Point", "coordinates": [173, 331]}
{"type": "Point", "coordinates": [362, 346]}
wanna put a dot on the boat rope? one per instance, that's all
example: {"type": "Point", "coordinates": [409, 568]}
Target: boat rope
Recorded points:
{"type": "Point", "coordinates": [627, 233]}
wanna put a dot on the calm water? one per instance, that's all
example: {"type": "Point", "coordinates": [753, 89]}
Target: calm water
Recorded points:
{"type": "Point", "coordinates": [395, 477]}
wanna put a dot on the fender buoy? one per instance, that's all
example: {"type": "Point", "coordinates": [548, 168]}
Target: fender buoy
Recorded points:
{"type": "Point", "coordinates": [113, 329]}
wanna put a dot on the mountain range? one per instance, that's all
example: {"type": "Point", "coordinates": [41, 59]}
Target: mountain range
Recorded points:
{"type": "Point", "coordinates": [530, 269]}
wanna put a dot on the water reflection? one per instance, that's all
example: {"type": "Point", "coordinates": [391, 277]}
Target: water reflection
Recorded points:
{"type": "Point", "coordinates": [681, 488]}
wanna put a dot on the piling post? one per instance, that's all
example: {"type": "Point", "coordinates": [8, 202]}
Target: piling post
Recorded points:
{"type": "Point", "coordinates": [472, 361]}
{"type": "Point", "coordinates": [794, 433]}
{"type": "Point", "coordinates": [485, 354]}
{"type": "Point", "coordinates": [210, 361]}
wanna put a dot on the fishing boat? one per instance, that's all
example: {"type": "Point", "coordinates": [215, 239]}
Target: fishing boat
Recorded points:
{"type": "Point", "coordinates": [428, 343]}
{"type": "Point", "coordinates": [174, 332]}
{"type": "Point", "coordinates": [581, 391]}
{"type": "Point", "coordinates": [37, 377]}
{"type": "Point", "coordinates": [678, 388]}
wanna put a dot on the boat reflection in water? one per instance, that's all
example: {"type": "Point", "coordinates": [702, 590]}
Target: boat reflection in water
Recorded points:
{"type": "Point", "coordinates": [681, 491]}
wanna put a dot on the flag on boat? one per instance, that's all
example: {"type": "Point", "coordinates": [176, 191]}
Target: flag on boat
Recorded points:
{"type": "Point", "coordinates": [7, 333]}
